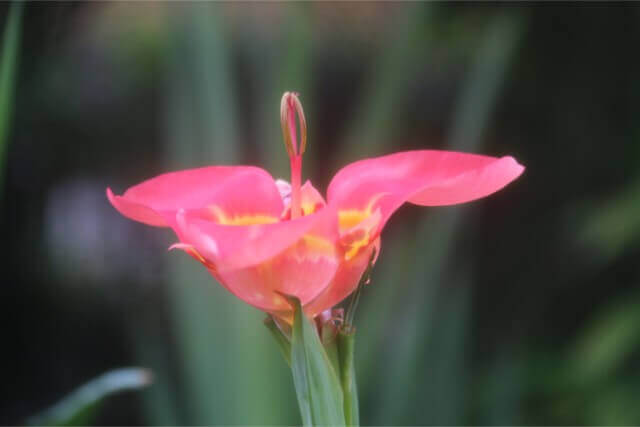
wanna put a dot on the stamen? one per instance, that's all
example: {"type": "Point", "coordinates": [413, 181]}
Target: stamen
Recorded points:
{"type": "Point", "coordinates": [290, 106]}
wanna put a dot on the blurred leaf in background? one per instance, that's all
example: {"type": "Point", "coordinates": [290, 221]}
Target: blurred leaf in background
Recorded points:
{"type": "Point", "coordinates": [8, 72]}
{"type": "Point", "coordinates": [78, 408]}
{"type": "Point", "coordinates": [218, 336]}
{"type": "Point", "coordinates": [428, 360]}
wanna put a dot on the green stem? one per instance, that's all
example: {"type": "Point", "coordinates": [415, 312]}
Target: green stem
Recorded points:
{"type": "Point", "coordinates": [330, 343]}
{"type": "Point", "coordinates": [346, 340]}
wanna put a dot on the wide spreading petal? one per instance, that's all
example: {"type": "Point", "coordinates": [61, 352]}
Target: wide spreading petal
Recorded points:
{"type": "Point", "coordinates": [424, 177]}
{"type": "Point", "coordinates": [156, 201]}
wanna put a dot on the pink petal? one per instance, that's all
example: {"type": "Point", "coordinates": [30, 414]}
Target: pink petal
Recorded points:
{"type": "Point", "coordinates": [136, 211]}
{"type": "Point", "coordinates": [255, 262]}
{"type": "Point", "coordinates": [156, 201]}
{"type": "Point", "coordinates": [344, 282]}
{"type": "Point", "coordinates": [310, 198]}
{"type": "Point", "coordinates": [425, 177]}
{"type": "Point", "coordinates": [296, 271]}
{"type": "Point", "coordinates": [284, 188]}
{"type": "Point", "coordinates": [235, 247]}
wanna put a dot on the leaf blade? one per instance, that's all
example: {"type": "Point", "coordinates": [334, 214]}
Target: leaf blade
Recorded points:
{"type": "Point", "coordinates": [76, 406]}
{"type": "Point", "coordinates": [316, 382]}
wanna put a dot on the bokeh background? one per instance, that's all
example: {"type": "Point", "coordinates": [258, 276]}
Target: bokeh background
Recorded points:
{"type": "Point", "coordinates": [522, 308]}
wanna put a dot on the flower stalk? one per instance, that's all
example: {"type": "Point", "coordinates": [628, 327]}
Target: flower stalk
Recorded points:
{"type": "Point", "coordinates": [295, 254]}
{"type": "Point", "coordinates": [346, 342]}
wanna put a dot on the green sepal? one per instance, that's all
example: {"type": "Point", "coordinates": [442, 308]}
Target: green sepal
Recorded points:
{"type": "Point", "coordinates": [284, 344]}
{"type": "Point", "coordinates": [355, 297]}
{"type": "Point", "coordinates": [329, 338]}
{"type": "Point", "coordinates": [345, 343]}
{"type": "Point", "coordinates": [316, 382]}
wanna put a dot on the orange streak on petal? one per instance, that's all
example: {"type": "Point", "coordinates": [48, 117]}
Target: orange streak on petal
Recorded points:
{"type": "Point", "coordinates": [194, 253]}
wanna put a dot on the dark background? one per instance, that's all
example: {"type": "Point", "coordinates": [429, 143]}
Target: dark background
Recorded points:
{"type": "Point", "coordinates": [522, 308]}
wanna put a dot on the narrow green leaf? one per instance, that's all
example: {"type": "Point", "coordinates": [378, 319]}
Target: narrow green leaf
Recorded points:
{"type": "Point", "coordinates": [76, 408]}
{"type": "Point", "coordinates": [355, 297]}
{"type": "Point", "coordinates": [316, 382]}
{"type": "Point", "coordinates": [283, 342]}
{"type": "Point", "coordinates": [329, 338]}
{"type": "Point", "coordinates": [8, 71]}
{"type": "Point", "coordinates": [606, 343]}
{"type": "Point", "coordinates": [345, 340]}
{"type": "Point", "coordinates": [395, 64]}
{"type": "Point", "coordinates": [217, 334]}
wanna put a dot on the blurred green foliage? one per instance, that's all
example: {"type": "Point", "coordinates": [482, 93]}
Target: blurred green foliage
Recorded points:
{"type": "Point", "coordinates": [80, 406]}
{"type": "Point", "coordinates": [8, 71]}
{"type": "Point", "coordinates": [519, 309]}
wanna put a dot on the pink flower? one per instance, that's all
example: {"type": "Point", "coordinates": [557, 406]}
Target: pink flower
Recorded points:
{"type": "Point", "coordinates": [261, 238]}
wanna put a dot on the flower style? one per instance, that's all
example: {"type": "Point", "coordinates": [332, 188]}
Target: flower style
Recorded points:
{"type": "Point", "coordinates": [261, 238]}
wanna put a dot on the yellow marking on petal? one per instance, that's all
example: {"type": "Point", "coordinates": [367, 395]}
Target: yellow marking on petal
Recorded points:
{"type": "Point", "coordinates": [349, 218]}
{"type": "Point", "coordinates": [308, 208]}
{"type": "Point", "coordinates": [222, 218]}
{"type": "Point", "coordinates": [319, 244]}
{"type": "Point", "coordinates": [355, 246]}
{"type": "Point", "coordinates": [358, 225]}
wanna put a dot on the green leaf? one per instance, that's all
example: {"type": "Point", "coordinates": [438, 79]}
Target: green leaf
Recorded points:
{"type": "Point", "coordinates": [316, 382]}
{"type": "Point", "coordinates": [608, 341]}
{"type": "Point", "coordinates": [283, 342]}
{"type": "Point", "coordinates": [355, 297]}
{"type": "Point", "coordinates": [8, 72]}
{"type": "Point", "coordinates": [345, 341]}
{"type": "Point", "coordinates": [77, 408]}
{"type": "Point", "coordinates": [329, 339]}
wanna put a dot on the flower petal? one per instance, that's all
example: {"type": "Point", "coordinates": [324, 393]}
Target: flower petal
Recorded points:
{"type": "Point", "coordinates": [344, 281]}
{"type": "Point", "coordinates": [136, 211]}
{"type": "Point", "coordinates": [232, 247]}
{"type": "Point", "coordinates": [296, 271]}
{"type": "Point", "coordinates": [310, 198]}
{"type": "Point", "coordinates": [257, 262]}
{"type": "Point", "coordinates": [156, 201]}
{"type": "Point", "coordinates": [425, 177]}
